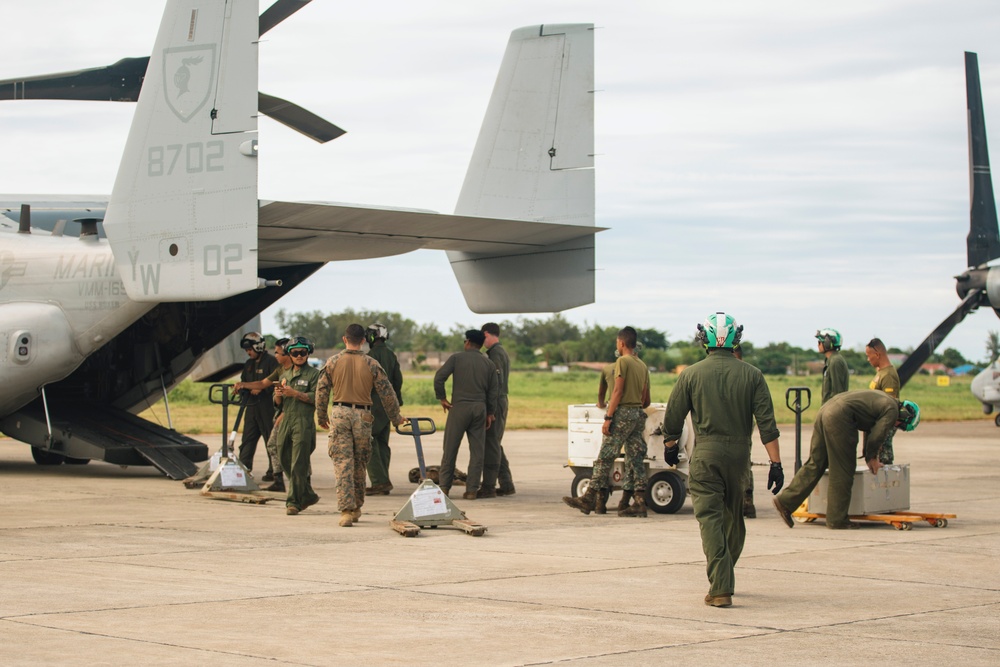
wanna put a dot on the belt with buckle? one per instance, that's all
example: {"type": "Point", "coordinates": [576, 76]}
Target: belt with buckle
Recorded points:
{"type": "Point", "coordinates": [356, 406]}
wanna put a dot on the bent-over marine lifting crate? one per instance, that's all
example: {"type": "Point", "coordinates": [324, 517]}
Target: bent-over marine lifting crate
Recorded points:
{"type": "Point", "coordinates": [666, 487]}
{"type": "Point", "coordinates": [882, 497]}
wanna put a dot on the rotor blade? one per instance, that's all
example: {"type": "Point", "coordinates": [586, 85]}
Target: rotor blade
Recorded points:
{"type": "Point", "coordinates": [983, 242]}
{"type": "Point", "coordinates": [919, 356]}
{"type": "Point", "coordinates": [119, 82]}
{"type": "Point", "coordinates": [297, 118]}
{"type": "Point", "coordinates": [278, 12]}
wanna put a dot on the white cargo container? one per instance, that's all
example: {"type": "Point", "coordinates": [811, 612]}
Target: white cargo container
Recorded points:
{"type": "Point", "coordinates": [666, 487]}
{"type": "Point", "coordinates": [886, 491]}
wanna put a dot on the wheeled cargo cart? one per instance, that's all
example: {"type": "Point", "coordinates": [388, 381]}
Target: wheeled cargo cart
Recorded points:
{"type": "Point", "coordinates": [883, 496]}
{"type": "Point", "coordinates": [666, 486]}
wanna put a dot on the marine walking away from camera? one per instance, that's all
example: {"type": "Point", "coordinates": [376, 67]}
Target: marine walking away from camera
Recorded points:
{"type": "Point", "coordinates": [724, 396]}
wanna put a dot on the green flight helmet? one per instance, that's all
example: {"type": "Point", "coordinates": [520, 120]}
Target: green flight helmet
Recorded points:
{"type": "Point", "coordinates": [719, 331]}
{"type": "Point", "coordinates": [909, 415]}
{"type": "Point", "coordinates": [299, 343]}
{"type": "Point", "coordinates": [830, 338]}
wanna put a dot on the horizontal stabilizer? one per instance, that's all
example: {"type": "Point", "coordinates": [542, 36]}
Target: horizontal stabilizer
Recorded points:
{"type": "Point", "coordinates": [292, 232]}
{"type": "Point", "coordinates": [534, 160]}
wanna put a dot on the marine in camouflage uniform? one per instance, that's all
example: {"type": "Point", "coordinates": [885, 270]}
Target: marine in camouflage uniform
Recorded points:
{"type": "Point", "coordinates": [834, 446]}
{"type": "Point", "coordinates": [378, 464]}
{"type": "Point", "coordinates": [471, 410]}
{"type": "Point", "coordinates": [624, 424]}
{"type": "Point", "coordinates": [886, 379]}
{"type": "Point", "coordinates": [724, 396]}
{"type": "Point", "coordinates": [271, 445]}
{"type": "Point", "coordinates": [351, 375]}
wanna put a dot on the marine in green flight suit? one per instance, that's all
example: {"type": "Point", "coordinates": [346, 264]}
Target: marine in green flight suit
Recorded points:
{"type": "Point", "coordinates": [724, 395]}
{"type": "Point", "coordinates": [836, 374]}
{"type": "Point", "coordinates": [496, 467]}
{"type": "Point", "coordinates": [471, 409]}
{"type": "Point", "coordinates": [834, 445]}
{"type": "Point", "coordinates": [378, 465]}
{"type": "Point", "coordinates": [297, 431]}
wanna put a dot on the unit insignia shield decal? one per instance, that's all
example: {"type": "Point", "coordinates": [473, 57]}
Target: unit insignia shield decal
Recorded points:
{"type": "Point", "coordinates": [188, 77]}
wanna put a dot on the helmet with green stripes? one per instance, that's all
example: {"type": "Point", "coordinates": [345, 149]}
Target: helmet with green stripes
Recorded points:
{"type": "Point", "coordinates": [299, 343]}
{"type": "Point", "coordinates": [830, 338]}
{"type": "Point", "coordinates": [719, 331]}
{"type": "Point", "coordinates": [909, 415]}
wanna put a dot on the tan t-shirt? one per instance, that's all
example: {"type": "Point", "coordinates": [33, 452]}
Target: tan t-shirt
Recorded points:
{"type": "Point", "coordinates": [636, 376]}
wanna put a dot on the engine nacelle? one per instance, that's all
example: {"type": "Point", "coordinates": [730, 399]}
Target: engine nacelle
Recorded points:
{"type": "Point", "coordinates": [993, 286]}
{"type": "Point", "coordinates": [36, 348]}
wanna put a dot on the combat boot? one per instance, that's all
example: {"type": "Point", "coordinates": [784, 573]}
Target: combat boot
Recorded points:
{"type": "Point", "coordinates": [623, 503]}
{"type": "Point", "coordinates": [346, 518]}
{"type": "Point", "coordinates": [356, 515]}
{"type": "Point", "coordinates": [279, 483]}
{"type": "Point", "coordinates": [585, 503]}
{"type": "Point", "coordinates": [749, 511]}
{"type": "Point", "coordinates": [638, 508]}
{"type": "Point", "coordinates": [602, 501]}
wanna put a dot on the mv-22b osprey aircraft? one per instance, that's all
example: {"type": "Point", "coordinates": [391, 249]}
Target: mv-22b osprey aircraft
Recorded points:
{"type": "Point", "coordinates": [95, 327]}
{"type": "Point", "coordinates": [979, 284]}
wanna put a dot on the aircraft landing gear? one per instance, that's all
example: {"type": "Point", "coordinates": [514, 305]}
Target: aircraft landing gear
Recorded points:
{"type": "Point", "coordinates": [46, 458]}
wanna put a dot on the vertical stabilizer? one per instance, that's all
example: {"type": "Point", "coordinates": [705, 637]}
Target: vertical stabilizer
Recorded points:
{"type": "Point", "coordinates": [534, 160]}
{"type": "Point", "coordinates": [182, 219]}
{"type": "Point", "coordinates": [983, 242]}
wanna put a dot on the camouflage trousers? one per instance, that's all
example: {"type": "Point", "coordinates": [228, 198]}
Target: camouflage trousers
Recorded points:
{"type": "Point", "coordinates": [350, 448]}
{"type": "Point", "coordinates": [272, 446]}
{"type": "Point", "coordinates": [626, 431]}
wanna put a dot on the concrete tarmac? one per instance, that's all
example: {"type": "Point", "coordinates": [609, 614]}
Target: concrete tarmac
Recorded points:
{"type": "Point", "coordinates": [108, 566]}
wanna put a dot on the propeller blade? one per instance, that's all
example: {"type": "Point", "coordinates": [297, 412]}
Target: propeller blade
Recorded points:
{"type": "Point", "coordinates": [297, 118]}
{"type": "Point", "coordinates": [119, 82]}
{"type": "Point", "coordinates": [278, 12]}
{"type": "Point", "coordinates": [983, 242]}
{"type": "Point", "coordinates": [919, 356]}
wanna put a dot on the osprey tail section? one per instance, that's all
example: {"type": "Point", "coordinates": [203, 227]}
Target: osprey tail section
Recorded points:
{"type": "Point", "coordinates": [182, 220]}
{"type": "Point", "coordinates": [534, 160]}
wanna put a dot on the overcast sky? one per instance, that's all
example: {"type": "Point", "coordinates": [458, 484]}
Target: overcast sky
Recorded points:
{"type": "Point", "coordinates": [797, 164]}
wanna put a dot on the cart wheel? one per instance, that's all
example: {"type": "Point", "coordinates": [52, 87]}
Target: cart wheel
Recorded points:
{"type": "Point", "coordinates": [942, 523]}
{"type": "Point", "coordinates": [665, 493]}
{"type": "Point", "coordinates": [898, 525]}
{"type": "Point", "coordinates": [802, 519]}
{"type": "Point", "coordinates": [996, 420]}
{"type": "Point", "coordinates": [907, 525]}
{"type": "Point", "coordinates": [580, 483]}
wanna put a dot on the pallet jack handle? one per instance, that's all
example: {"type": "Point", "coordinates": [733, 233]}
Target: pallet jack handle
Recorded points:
{"type": "Point", "coordinates": [798, 409]}
{"type": "Point", "coordinates": [416, 427]}
{"type": "Point", "coordinates": [222, 394]}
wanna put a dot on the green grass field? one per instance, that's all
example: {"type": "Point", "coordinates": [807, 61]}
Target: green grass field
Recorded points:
{"type": "Point", "coordinates": [538, 399]}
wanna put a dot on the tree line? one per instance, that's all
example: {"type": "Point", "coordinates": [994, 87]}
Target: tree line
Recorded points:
{"type": "Point", "coordinates": [557, 341]}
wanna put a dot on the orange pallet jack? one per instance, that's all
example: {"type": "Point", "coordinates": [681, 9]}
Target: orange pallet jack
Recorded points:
{"type": "Point", "coordinates": [900, 520]}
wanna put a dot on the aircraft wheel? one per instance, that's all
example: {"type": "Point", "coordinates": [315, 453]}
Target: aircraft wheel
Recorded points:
{"type": "Point", "coordinates": [46, 458]}
{"type": "Point", "coordinates": [996, 420]}
{"type": "Point", "coordinates": [665, 493]}
{"type": "Point", "coordinates": [76, 462]}
{"type": "Point", "coordinates": [580, 483]}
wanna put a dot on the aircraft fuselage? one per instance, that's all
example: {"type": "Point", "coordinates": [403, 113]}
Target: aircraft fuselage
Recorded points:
{"type": "Point", "coordinates": [60, 300]}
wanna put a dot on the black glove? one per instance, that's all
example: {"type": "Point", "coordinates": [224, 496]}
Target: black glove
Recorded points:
{"type": "Point", "coordinates": [672, 455]}
{"type": "Point", "coordinates": [776, 478]}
